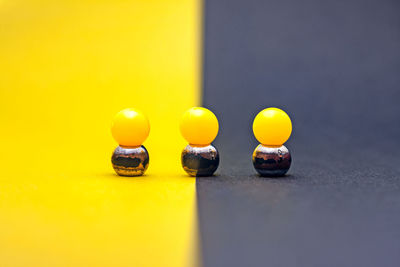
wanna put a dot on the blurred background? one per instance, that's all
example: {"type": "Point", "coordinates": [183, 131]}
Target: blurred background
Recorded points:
{"type": "Point", "coordinates": [332, 65]}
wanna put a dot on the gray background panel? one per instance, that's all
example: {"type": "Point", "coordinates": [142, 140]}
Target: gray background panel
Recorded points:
{"type": "Point", "coordinates": [334, 66]}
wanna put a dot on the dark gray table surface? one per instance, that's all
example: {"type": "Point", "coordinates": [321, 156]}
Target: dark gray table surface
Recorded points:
{"type": "Point", "coordinates": [334, 66]}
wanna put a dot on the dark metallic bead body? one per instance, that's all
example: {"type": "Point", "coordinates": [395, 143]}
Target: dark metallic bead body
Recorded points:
{"type": "Point", "coordinates": [271, 161]}
{"type": "Point", "coordinates": [200, 161]}
{"type": "Point", "coordinates": [130, 161]}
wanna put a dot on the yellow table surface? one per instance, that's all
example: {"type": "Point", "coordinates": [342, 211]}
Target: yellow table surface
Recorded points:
{"type": "Point", "coordinates": [66, 67]}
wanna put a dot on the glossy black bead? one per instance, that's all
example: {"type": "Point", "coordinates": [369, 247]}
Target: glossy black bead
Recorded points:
{"type": "Point", "coordinates": [271, 161]}
{"type": "Point", "coordinates": [130, 161]}
{"type": "Point", "coordinates": [200, 161]}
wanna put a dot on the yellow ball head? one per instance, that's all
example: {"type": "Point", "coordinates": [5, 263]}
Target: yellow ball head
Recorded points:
{"type": "Point", "coordinates": [199, 126]}
{"type": "Point", "coordinates": [130, 128]}
{"type": "Point", "coordinates": [272, 127]}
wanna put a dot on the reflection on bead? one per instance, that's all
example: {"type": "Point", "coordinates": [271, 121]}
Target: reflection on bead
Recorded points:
{"type": "Point", "coordinates": [271, 161]}
{"type": "Point", "coordinates": [130, 161]}
{"type": "Point", "coordinates": [200, 161]}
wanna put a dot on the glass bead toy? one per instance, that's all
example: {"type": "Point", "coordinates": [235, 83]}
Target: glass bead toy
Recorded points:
{"type": "Point", "coordinates": [272, 128]}
{"type": "Point", "coordinates": [199, 126]}
{"type": "Point", "coordinates": [130, 128]}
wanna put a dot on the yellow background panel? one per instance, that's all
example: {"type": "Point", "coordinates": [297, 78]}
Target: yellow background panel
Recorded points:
{"type": "Point", "coordinates": [66, 67]}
